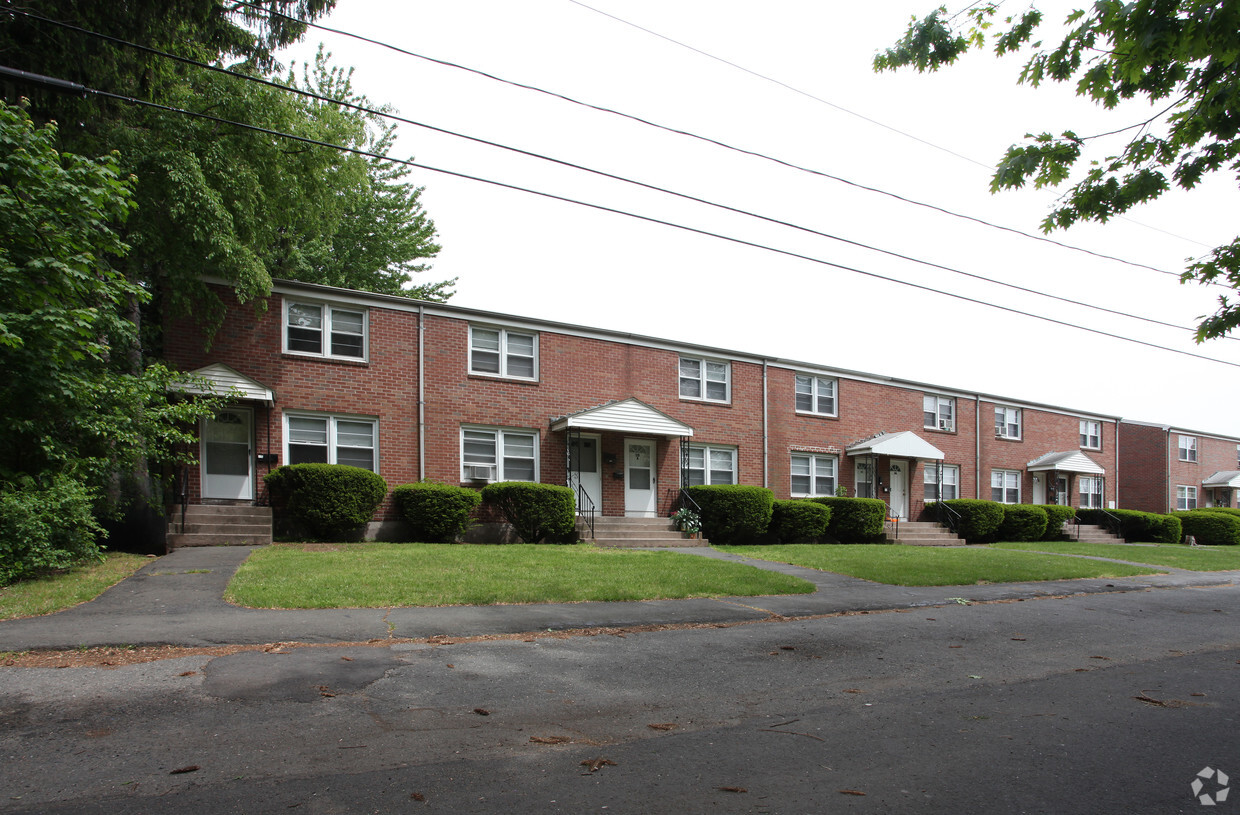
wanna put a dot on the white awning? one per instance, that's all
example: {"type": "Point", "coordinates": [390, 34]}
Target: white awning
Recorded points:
{"type": "Point", "coordinates": [1072, 461]}
{"type": "Point", "coordinates": [1223, 478]}
{"type": "Point", "coordinates": [218, 379]}
{"type": "Point", "coordinates": [905, 444]}
{"type": "Point", "coordinates": [626, 416]}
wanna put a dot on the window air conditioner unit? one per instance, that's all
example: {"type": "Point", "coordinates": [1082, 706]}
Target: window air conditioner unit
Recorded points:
{"type": "Point", "coordinates": [944, 424]}
{"type": "Point", "coordinates": [1001, 432]}
{"type": "Point", "coordinates": [480, 472]}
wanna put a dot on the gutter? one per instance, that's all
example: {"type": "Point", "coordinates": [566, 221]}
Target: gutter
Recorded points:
{"type": "Point", "coordinates": [421, 393]}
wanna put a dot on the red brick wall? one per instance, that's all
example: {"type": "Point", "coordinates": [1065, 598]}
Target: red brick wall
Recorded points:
{"type": "Point", "coordinates": [1143, 468]}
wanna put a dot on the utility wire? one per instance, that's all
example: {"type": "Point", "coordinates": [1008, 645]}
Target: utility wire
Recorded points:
{"type": "Point", "coordinates": [65, 85]}
{"type": "Point", "coordinates": [601, 173]}
{"type": "Point", "coordinates": [718, 143]}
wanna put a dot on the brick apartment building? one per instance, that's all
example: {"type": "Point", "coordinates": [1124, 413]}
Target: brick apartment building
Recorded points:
{"type": "Point", "coordinates": [1164, 468]}
{"type": "Point", "coordinates": [420, 390]}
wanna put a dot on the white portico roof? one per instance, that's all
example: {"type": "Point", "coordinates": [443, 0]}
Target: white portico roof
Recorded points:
{"type": "Point", "coordinates": [218, 379]}
{"type": "Point", "coordinates": [1223, 478]}
{"type": "Point", "coordinates": [624, 416]}
{"type": "Point", "coordinates": [905, 444]}
{"type": "Point", "coordinates": [1072, 461]}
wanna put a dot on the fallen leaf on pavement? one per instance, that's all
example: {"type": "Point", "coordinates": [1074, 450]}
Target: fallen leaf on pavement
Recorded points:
{"type": "Point", "coordinates": [191, 768]}
{"type": "Point", "coordinates": [597, 763]}
{"type": "Point", "coordinates": [549, 739]}
{"type": "Point", "coordinates": [731, 789]}
{"type": "Point", "coordinates": [851, 792]}
{"type": "Point", "coordinates": [481, 711]}
{"type": "Point", "coordinates": [663, 726]}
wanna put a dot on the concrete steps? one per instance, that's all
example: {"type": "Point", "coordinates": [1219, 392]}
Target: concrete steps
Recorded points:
{"type": "Point", "coordinates": [1091, 534]}
{"type": "Point", "coordinates": [923, 533]}
{"type": "Point", "coordinates": [219, 525]}
{"type": "Point", "coordinates": [636, 533]}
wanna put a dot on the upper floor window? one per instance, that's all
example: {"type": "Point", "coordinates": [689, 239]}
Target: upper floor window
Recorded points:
{"type": "Point", "coordinates": [1091, 434]}
{"type": "Point", "coordinates": [1007, 422]}
{"type": "Point", "coordinates": [1188, 448]}
{"type": "Point", "coordinates": [705, 379]}
{"type": "Point", "coordinates": [815, 394]}
{"type": "Point", "coordinates": [951, 482]}
{"type": "Point", "coordinates": [708, 464]}
{"type": "Point", "coordinates": [498, 454]}
{"type": "Point", "coordinates": [1005, 486]}
{"type": "Point", "coordinates": [1185, 497]}
{"type": "Point", "coordinates": [325, 439]}
{"type": "Point", "coordinates": [939, 412]}
{"type": "Point", "coordinates": [500, 352]}
{"type": "Point", "coordinates": [324, 330]}
{"type": "Point", "coordinates": [813, 475]}
{"type": "Point", "coordinates": [1091, 491]}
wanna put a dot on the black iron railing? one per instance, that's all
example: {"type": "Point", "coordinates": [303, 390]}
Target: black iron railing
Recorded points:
{"type": "Point", "coordinates": [586, 509]}
{"type": "Point", "coordinates": [948, 517]}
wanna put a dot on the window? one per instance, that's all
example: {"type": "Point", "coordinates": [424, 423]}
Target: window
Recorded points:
{"type": "Point", "coordinates": [324, 330]}
{"type": "Point", "coordinates": [951, 482]}
{"type": "Point", "coordinates": [710, 465]}
{"type": "Point", "coordinates": [1188, 448]}
{"type": "Point", "coordinates": [1091, 492]}
{"type": "Point", "coordinates": [863, 478]}
{"type": "Point", "coordinates": [500, 352]}
{"type": "Point", "coordinates": [813, 475]}
{"type": "Point", "coordinates": [1007, 422]}
{"type": "Point", "coordinates": [495, 454]}
{"type": "Point", "coordinates": [704, 379]}
{"type": "Point", "coordinates": [1238, 455]}
{"type": "Point", "coordinates": [939, 412]}
{"type": "Point", "coordinates": [1185, 497]}
{"type": "Point", "coordinates": [318, 439]}
{"type": "Point", "coordinates": [815, 394]}
{"type": "Point", "coordinates": [1005, 486]}
{"type": "Point", "coordinates": [1091, 434]}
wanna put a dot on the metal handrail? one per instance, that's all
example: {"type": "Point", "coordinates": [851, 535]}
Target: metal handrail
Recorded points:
{"type": "Point", "coordinates": [952, 520]}
{"type": "Point", "coordinates": [1114, 522]}
{"type": "Point", "coordinates": [184, 494]}
{"type": "Point", "coordinates": [586, 509]}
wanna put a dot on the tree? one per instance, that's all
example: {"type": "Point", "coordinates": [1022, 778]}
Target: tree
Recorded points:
{"type": "Point", "coordinates": [1183, 56]}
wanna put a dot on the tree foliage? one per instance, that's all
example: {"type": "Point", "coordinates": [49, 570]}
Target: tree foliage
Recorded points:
{"type": "Point", "coordinates": [1182, 56]}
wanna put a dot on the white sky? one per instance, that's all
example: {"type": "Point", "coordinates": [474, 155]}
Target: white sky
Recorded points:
{"type": "Point", "coordinates": [519, 254]}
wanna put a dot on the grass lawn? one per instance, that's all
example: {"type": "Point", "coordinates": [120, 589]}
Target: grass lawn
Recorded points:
{"type": "Point", "coordinates": [382, 575]}
{"type": "Point", "coordinates": [936, 565]}
{"type": "Point", "coordinates": [62, 590]}
{"type": "Point", "coordinates": [1175, 555]}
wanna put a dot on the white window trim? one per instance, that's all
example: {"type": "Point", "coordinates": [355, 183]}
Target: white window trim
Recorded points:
{"type": "Point", "coordinates": [1084, 431]}
{"type": "Point", "coordinates": [814, 459]}
{"type": "Point", "coordinates": [1002, 428]}
{"type": "Point", "coordinates": [332, 420]}
{"type": "Point", "coordinates": [503, 353]}
{"type": "Point", "coordinates": [1096, 482]}
{"type": "Point", "coordinates": [929, 478]}
{"type": "Point", "coordinates": [1004, 487]}
{"type": "Point", "coordinates": [706, 451]}
{"type": "Point", "coordinates": [702, 380]}
{"type": "Point", "coordinates": [1188, 452]}
{"type": "Point", "coordinates": [497, 469]}
{"type": "Point", "coordinates": [326, 339]}
{"type": "Point", "coordinates": [814, 392]}
{"type": "Point", "coordinates": [947, 426]}
{"type": "Point", "coordinates": [1183, 493]}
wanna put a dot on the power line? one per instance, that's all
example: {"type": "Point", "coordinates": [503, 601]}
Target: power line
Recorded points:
{"type": "Point", "coordinates": [64, 85]}
{"type": "Point", "coordinates": [719, 143]}
{"type": "Point", "coordinates": [604, 174]}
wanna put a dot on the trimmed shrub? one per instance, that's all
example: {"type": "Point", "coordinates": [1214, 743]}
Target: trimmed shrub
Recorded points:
{"type": "Point", "coordinates": [325, 501]}
{"type": "Point", "coordinates": [46, 528]}
{"type": "Point", "coordinates": [979, 520]}
{"type": "Point", "coordinates": [1022, 522]}
{"type": "Point", "coordinates": [537, 512]}
{"type": "Point", "coordinates": [437, 513]}
{"type": "Point", "coordinates": [733, 514]}
{"type": "Point", "coordinates": [1056, 516]}
{"type": "Point", "coordinates": [855, 520]}
{"type": "Point", "coordinates": [1210, 528]}
{"type": "Point", "coordinates": [1136, 526]}
{"type": "Point", "coordinates": [799, 521]}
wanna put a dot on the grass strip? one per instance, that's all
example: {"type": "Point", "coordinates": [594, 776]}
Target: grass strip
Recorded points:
{"type": "Point", "coordinates": [1175, 555]}
{"type": "Point", "coordinates": [936, 565]}
{"type": "Point", "coordinates": [384, 575]}
{"type": "Point", "coordinates": [61, 590]}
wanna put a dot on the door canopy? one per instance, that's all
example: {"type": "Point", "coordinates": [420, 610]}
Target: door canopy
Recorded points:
{"type": "Point", "coordinates": [624, 416]}
{"type": "Point", "coordinates": [905, 444]}
{"type": "Point", "coordinates": [220, 380]}
{"type": "Point", "coordinates": [1070, 462]}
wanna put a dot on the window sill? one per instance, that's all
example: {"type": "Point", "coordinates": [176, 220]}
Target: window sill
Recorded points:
{"type": "Point", "coordinates": [359, 363]}
{"type": "Point", "coordinates": [1009, 438]}
{"type": "Point", "coordinates": [498, 378]}
{"type": "Point", "coordinates": [811, 415]}
{"type": "Point", "coordinates": [701, 401]}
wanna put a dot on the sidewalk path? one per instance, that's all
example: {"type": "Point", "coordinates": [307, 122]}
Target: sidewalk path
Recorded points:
{"type": "Point", "coordinates": [177, 600]}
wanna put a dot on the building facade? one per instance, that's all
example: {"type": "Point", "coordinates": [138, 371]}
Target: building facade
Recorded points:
{"type": "Point", "coordinates": [1165, 468]}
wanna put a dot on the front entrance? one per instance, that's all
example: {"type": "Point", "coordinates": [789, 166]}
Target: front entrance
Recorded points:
{"type": "Point", "coordinates": [584, 470]}
{"type": "Point", "coordinates": [899, 489]}
{"type": "Point", "coordinates": [1061, 491]}
{"type": "Point", "coordinates": [227, 454]}
{"type": "Point", "coordinates": [639, 478]}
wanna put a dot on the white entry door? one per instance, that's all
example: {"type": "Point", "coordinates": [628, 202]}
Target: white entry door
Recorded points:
{"type": "Point", "coordinates": [899, 489]}
{"type": "Point", "coordinates": [639, 478]}
{"type": "Point", "coordinates": [227, 454]}
{"type": "Point", "coordinates": [584, 470]}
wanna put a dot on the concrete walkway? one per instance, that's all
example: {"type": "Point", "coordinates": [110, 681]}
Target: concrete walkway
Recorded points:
{"type": "Point", "coordinates": [177, 600]}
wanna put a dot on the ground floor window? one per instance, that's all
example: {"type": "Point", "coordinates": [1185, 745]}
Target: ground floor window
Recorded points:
{"type": "Point", "coordinates": [1091, 492]}
{"type": "Point", "coordinates": [327, 439]}
{"type": "Point", "coordinates": [863, 478]}
{"type": "Point", "coordinates": [813, 476]}
{"type": "Point", "coordinates": [951, 482]}
{"type": "Point", "coordinates": [1185, 497]}
{"type": "Point", "coordinates": [498, 454]}
{"type": "Point", "coordinates": [1005, 486]}
{"type": "Point", "coordinates": [710, 464]}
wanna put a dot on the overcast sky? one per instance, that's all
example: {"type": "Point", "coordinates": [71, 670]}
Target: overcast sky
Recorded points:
{"type": "Point", "coordinates": [799, 88]}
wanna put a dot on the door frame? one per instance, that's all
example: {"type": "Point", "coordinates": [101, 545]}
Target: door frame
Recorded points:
{"type": "Point", "coordinates": [591, 483]}
{"type": "Point", "coordinates": [646, 507]}
{"type": "Point", "coordinates": [209, 486]}
{"type": "Point", "coordinates": [901, 475]}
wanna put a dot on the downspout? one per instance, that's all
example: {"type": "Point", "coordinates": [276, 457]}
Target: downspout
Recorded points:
{"type": "Point", "coordinates": [766, 450]}
{"type": "Point", "coordinates": [977, 446]}
{"type": "Point", "coordinates": [1117, 481]}
{"type": "Point", "coordinates": [421, 393]}
{"type": "Point", "coordinates": [1167, 474]}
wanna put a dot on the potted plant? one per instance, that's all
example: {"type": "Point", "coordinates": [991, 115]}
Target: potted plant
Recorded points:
{"type": "Point", "coordinates": [687, 521]}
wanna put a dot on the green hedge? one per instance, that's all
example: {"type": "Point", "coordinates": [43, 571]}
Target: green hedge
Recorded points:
{"type": "Point", "coordinates": [537, 512]}
{"type": "Point", "coordinates": [733, 514]}
{"type": "Point", "coordinates": [46, 527]}
{"type": "Point", "coordinates": [437, 513]}
{"type": "Point", "coordinates": [325, 501]}
{"type": "Point", "coordinates": [855, 520]}
{"type": "Point", "coordinates": [1136, 526]}
{"type": "Point", "coordinates": [1022, 522]}
{"type": "Point", "coordinates": [979, 520]}
{"type": "Point", "coordinates": [1056, 516]}
{"type": "Point", "coordinates": [799, 521]}
{"type": "Point", "coordinates": [1210, 528]}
